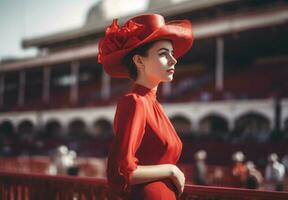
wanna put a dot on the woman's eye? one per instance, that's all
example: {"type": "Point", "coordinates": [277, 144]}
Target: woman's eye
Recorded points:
{"type": "Point", "coordinates": [162, 54]}
{"type": "Point", "coordinates": [166, 53]}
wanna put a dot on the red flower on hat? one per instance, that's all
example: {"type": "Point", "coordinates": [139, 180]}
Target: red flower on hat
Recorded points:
{"type": "Point", "coordinates": [117, 38]}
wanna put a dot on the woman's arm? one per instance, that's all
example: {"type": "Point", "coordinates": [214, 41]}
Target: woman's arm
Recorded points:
{"type": "Point", "coordinates": [147, 173]}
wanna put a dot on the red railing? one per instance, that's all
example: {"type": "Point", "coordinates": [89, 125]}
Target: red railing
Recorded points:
{"type": "Point", "coordinates": [193, 192]}
{"type": "Point", "coordinates": [20, 186]}
{"type": "Point", "coordinates": [31, 186]}
{"type": "Point", "coordinates": [93, 167]}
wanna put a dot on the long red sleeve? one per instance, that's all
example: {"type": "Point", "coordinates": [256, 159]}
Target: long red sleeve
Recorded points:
{"type": "Point", "coordinates": [129, 127]}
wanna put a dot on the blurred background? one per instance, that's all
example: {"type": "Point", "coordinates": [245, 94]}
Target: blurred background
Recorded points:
{"type": "Point", "coordinates": [228, 100]}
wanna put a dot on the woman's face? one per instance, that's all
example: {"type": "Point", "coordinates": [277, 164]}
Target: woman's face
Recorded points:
{"type": "Point", "coordinates": [159, 64]}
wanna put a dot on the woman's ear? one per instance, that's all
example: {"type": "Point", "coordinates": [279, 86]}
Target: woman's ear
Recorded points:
{"type": "Point", "coordinates": [138, 60]}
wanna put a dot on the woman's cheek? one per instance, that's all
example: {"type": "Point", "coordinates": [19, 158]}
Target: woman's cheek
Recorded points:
{"type": "Point", "coordinates": [163, 61]}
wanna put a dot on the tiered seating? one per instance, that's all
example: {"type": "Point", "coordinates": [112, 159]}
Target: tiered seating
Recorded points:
{"type": "Point", "coordinates": [219, 152]}
{"type": "Point", "coordinates": [119, 87]}
{"type": "Point", "coordinates": [256, 81]}
{"type": "Point", "coordinates": [192, 83]}
{"type": "Point", "coordinates": [186, 79]}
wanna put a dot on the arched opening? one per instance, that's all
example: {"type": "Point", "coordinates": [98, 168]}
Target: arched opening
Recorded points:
{"type": "Point", "coordinates": [25, 130]}
{"type": "Point", "coordinates": [6, 128]}
{"type": "Point", "coordinates": [214, 125]}
{"type": "Point", "coordinates": [53, 129]}
{"type": "Point", "coordinates": [181, 124]}
{"type": "Point", "coordinates": [102, 128]}
{"type": "Point", "coordinates": [7, 137]}
{"type": "Point", "coordinates": [77, 129]}
{"type": "Point", "coordinates": [25, 127]}
{"type": "Point", "coordinates": [253, 125]}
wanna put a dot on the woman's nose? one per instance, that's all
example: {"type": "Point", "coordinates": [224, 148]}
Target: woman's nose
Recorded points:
{"type": "Point", "coordinates": [172, 60]}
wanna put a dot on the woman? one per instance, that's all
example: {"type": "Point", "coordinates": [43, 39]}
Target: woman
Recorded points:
{"type": "Point", "coordinates": [145, 148]}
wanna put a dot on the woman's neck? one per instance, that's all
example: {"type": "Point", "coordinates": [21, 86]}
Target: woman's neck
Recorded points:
{"type": "Point", "coordinates": [148, 84]}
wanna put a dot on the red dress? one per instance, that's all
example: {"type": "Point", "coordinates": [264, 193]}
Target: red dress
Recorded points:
{"type": "Point", "coordinates": [143, 136]}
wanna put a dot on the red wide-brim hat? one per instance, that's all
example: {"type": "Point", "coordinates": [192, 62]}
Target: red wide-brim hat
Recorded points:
{"type": "Point", "coordinates": [118, 42]}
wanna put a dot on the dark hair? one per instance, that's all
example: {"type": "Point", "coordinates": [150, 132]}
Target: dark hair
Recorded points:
{"type": "Point", "coordinates": [128, 59]}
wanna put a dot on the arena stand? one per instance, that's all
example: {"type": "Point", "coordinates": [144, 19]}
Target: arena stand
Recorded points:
{"type": "Point", "coordinates": [254, 56]}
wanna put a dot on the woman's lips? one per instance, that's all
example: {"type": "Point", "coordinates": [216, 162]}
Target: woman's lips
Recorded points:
{"type": "Point", "coordinates": [171, 71]}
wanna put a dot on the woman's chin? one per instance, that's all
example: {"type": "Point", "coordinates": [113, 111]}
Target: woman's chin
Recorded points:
{"type": "Point", "coordinates": [169, 78]}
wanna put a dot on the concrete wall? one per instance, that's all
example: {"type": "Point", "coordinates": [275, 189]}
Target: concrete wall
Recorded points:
{"type": "Point", "coordinates": [194, 112]}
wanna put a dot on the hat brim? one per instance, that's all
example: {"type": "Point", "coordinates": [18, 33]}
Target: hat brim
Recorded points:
{"type": "Point", "coordinates": [179, 32]}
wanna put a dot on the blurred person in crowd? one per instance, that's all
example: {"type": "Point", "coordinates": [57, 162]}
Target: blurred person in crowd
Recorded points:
{"type": "Point", "coordinates": [218, 176]}
{"type": "Point", "coordinates": [274, 173]}
{"type": "Point", "coordinates": [239, 170]}
{"type": "Point", "coordinates": [200, 169]}
{"type": "Point", "coordinates": [57, 166]}
{"type": "Point", "coordinates": [144, 50]}
{"type": "Point", "coordinates": [63, 162]}
{"type": "Point", "coordinates": [71, 163]}
{"type": "Point", "coordinates": [254, 177]}
{"type": "Point", "coordinates": [285, 163]}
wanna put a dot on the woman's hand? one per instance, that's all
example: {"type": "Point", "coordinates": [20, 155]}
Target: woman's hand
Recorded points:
{"type": "Point", "coordinates": [148, 173]}
{"type": "Point", "coordinates": [178, 178]}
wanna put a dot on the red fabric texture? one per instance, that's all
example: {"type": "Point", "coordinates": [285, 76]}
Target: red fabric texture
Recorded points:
{"type": "Point", "coordinates": [143, 136]}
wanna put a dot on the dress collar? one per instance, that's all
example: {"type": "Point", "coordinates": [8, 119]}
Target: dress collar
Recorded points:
{"type": "Point", "coordinates": [142, 90]}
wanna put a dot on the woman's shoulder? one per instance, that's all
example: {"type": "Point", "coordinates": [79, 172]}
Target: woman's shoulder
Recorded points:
{"type": "Point", "coordinates": [132, 99]}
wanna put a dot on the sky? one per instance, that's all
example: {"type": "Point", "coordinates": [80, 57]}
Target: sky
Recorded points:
{"type": "Point", "coordinates": [21, 19]}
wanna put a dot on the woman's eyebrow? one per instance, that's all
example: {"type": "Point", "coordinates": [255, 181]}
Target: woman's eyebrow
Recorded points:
{"type": "Point", "coordinates": [165, 49]}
